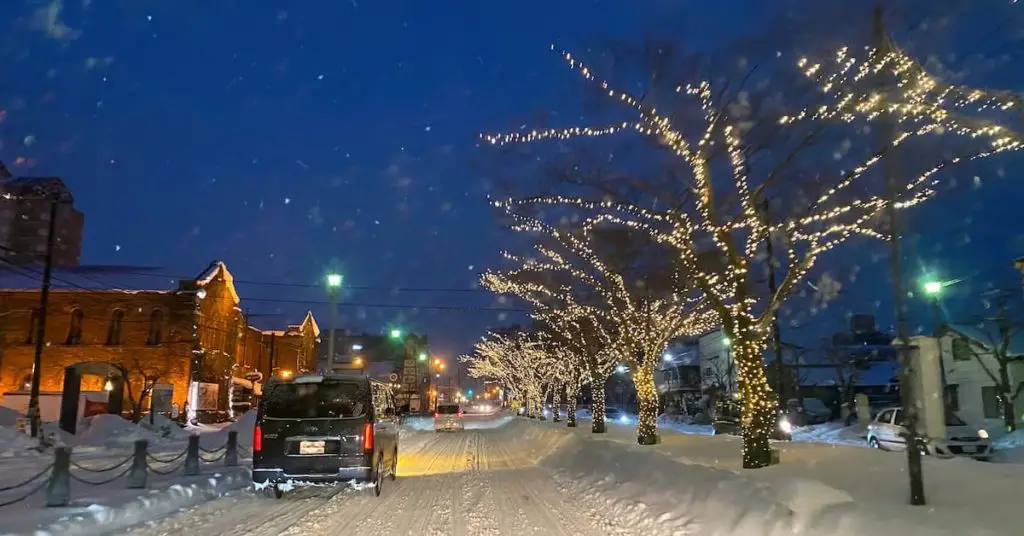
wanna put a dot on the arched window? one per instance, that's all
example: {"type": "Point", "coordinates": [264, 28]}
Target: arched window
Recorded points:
{"type": "Point", "coordinates": [156, 328]}
{"type": "Point", "coordinates": [115, 328]}
{"type": "Point", "coordinates": [75, 327]}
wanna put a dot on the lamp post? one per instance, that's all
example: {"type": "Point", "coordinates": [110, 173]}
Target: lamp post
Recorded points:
{"type": "Point", "coordinates": [333, 284]}
{"type": "Point", "coordinates": [933, 289]}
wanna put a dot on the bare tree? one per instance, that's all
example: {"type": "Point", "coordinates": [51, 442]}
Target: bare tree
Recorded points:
{"type": "Point", "coordinates": [142, 375]}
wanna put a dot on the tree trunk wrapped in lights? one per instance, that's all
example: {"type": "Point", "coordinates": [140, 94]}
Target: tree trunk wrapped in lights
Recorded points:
{"type": "Point", "coordinates": [556, 403]}
{"type": "Point", "coordinates": [597, 406]}
{"type": "Point", "coordinates": [718, 237]}
{"type": "Point", "coordinates": [572, 393]}
{"type": "Point", "coordinates": [647, 394]}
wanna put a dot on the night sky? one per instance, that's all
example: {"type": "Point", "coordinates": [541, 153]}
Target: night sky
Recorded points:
{"type": "Point", "coordinates": [292, 138]}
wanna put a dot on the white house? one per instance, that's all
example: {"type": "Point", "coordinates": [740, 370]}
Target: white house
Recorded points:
{"type": "Point", "coordinates": [717, 368]}
{"type": "Point", "coordinates": [968, 366]}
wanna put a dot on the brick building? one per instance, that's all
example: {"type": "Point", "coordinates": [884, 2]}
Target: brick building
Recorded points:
{"type": "Point", "coordinates": [26, 204]}
{"type": "Point", "coordinates": [105, 314]}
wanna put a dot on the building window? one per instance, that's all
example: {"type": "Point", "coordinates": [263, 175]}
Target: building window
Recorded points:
{"type": "Point", "coordinates": [156, 328]}
{"type": "Point", "coordinates": [116, 327]}
{"type": "Point", "coordinates": [990, 402]}
{"type": "Point", "coordinates": [962, 349]}
{"type": "Point", "coordinates": [26, 382]}
{"type": "Point", "coordinates": [953, 397]}
{"type": "Point", "coordinates": [33, 327]}
{"type": "Point", "coordinates": [75, 327]}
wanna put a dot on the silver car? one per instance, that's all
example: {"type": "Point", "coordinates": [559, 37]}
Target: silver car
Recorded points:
{"type": "Point", "coordinates": [888, 432]}
{"type": "Point", "coordinates": [448, 418]}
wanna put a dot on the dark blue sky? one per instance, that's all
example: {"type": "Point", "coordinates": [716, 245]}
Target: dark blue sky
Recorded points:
{"type": "Point", "coordinates": [289, 138]}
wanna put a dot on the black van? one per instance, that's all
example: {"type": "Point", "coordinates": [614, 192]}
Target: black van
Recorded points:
{"type": "Point", "coordinates": [326, 429]}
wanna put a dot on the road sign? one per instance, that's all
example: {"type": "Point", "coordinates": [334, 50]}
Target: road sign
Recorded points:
{"type": "Point", "coordinates": [393, 377]}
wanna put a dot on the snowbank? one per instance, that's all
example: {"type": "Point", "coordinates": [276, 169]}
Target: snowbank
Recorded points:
{"type": "Point", "coordinates": [244, 426]}
{"type": "Point", "coordinates": [107, 430]}
{"type": "Point", "coordinates": [117, 513]}
{"type": "Point", "coordinates": [14, 443]}
{"type": "Point", "coordinates": [694, 485]}
{"type": "Point", "coordinates": [9, 417]}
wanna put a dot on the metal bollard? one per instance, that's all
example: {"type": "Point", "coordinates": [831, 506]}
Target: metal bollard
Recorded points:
{"type": "Point", "coordinates": [231, 456]}
{"type": "Point", "coordinates": [58, 489]}
{"type": "Point", "coordinates": [192, 457]}
{"type": "Point", "coordinates": [138, 473]}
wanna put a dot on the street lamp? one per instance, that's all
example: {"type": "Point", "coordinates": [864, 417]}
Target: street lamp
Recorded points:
{"type": "Point", "coordinates": [422, 356]}
{"type": "Point", "coordinates": [358, 361]}
{"type": "Point", "coordinates": [333, 284]}
{"type": "Point", "coordinates": [933, 289]}
{"type": "Point", "coordinates": [396, 334]}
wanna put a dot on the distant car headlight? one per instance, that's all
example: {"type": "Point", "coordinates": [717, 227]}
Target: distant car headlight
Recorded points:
{"type": "Point", "coordinates": [624, 419]}
{"type": "Point", "coordinates": [785, 425]}
{"type": "Point", "coordinates": [983, 434]}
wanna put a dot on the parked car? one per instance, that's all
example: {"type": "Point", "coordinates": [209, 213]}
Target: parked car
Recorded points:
{"type": "Point", "coordinates": [727, 418]}
{"type": "Point", "coordinates": [888, 432]}
{"type": "Point", "coordinates": [615, 415]}
{"type": "Point", "coordinates": [812, 411]}
{"type": "Point", "coordinates": [448, 418]}
{"type": "Point", "coordinates": [325, 428]}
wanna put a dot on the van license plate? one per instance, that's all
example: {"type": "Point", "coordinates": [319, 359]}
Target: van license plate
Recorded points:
{"type": "Point", "coordinates": [968, 450]}
{"type": "Point", "coordinates": [311, 447]}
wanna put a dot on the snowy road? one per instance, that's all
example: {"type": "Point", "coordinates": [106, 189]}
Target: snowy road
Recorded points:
{"type": "Point", "coordinates": [480, 482]}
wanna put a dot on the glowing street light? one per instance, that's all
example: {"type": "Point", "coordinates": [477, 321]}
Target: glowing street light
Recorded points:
{"type": "Point", "coordinates": [932, 288]}
{"type": "Point", "coordinates": [333, 284]}
{"type": "Point", "coordinates": [358, 361]}
{"type": "Point", "coordinates": [422, 356]}
{"type": "Point", "coordinates": [286, 374]}
{"type": "Point", "coordinates": [727, 341]}
{"type": "Point", "coordinates": [396, 333]}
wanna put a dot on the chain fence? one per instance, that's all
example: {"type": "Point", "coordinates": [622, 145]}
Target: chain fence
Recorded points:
{"type": "Point", "coordinates": [55, 480]}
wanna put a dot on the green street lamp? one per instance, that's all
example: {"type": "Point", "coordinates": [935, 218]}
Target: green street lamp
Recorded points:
{"type": "Point", "coordinates": [396, 334]}
{"type": "Point", "coordinates": [333, 284]}
{"type": "Point", "coordinates": [422, 356]}
{"type": "Point", "coordinates": [932, 288]}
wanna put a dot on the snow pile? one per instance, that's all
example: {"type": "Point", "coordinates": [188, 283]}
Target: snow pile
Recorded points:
{"type": "Point", "coordinates": [420, 424]}
{"type": "Point", "coordinates": [98, 519]}
{"type": "Point", "coordinates": [244, 426]}
{"type": "Point", "coordinates": [653, 491]}
{"type": "Point", "coordinates": [14, 443]}
{"type": "Point", "coordinates": [1010, 448]}
{"type": "Point", "coordinates": [683, 424]}
{"type": "Point", "coordinates": [832, 433]}
{"type": "Point", "coordinates": [107, 430]}
{"type": "Point", "coordinates": [9, 417]}
{"type": "Point", "coordinates": [164, 427]}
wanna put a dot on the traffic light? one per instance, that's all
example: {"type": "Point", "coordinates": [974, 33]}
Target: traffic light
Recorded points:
{"type": "Point", "coordinates": [470, 392]}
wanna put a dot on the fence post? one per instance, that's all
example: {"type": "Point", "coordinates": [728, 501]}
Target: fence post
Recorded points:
{"type": "Point", "coordinates": [138, 473]}
{"type": "Point", "coordinates": [231, 456]}
{"type": "Point", "coordinates": [58, 489]}
{"type": "Point", "coordinates": [192, 457]}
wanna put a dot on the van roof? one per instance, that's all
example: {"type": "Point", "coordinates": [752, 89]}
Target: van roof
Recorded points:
{"type": "Point", "coordinates": [319, 377]}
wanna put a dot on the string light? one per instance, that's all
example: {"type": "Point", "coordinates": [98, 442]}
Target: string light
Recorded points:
{"type": "Point", "coordinates": [715, 248]}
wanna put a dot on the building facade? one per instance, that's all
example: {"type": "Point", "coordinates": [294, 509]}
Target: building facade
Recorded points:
{"type": "Point", "coordinates": [190, 338]}
{"type": "Point", "coordinates": [26, 205]}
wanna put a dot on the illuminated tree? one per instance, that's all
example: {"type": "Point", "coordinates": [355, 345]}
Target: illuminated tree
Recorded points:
{"type": "Point", "coordinates": [514, 360]}
{"type": "Point", "coordinates": [644, 321]}
{"type": "Point", "coordinates": [717, 235]}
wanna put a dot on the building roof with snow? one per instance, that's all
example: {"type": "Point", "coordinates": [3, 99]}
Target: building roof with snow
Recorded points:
{"type": "Point", "coordinates": [987, 335]}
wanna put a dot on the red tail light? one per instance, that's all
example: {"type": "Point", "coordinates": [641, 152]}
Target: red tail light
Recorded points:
{"type": "Point", "coordinates": [257, 439]}
{"type": "Point", "coordinates": [460, 413]}
{"type": "Point", "coordinates": [368, 437]}
{"type": "Point", "coordinates": [437, 414]}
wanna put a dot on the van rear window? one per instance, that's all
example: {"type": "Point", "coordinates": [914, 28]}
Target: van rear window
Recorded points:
{"type": "Point", "coordinates": [325, 400]}
{"type": "Point", "coordinates": [447, 410]}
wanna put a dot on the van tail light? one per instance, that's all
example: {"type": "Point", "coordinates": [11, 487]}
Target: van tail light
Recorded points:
{"type": "Point", "coordinates": [460, 413]}
{"type": "Point", "coordinates": [437, 414]}
{"type": "Point", "coordinates": [368, 437]}
{"type": "Point", "coordinates": [257, 439]}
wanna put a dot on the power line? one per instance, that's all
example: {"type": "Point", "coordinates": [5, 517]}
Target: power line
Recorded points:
{"type": "Point", "coordinates": [367, 305]}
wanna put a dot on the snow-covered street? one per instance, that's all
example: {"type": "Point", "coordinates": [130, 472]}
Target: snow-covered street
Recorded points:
{"type": "Point", "coordinates": [473, 483]}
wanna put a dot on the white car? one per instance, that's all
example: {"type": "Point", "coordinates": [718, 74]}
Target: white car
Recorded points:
{"type": "Point", "coordinates": [887, 432]}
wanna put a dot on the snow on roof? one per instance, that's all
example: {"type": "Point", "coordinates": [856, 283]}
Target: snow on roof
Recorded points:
{"type": "Point", "coordinates": [210, 274]}
{"type": "Point", "coordinates": [309, 318]}
{"type": "Point", "coordinates": [987, 335]}
{"type": "Point", "coordinates": [128, 279]}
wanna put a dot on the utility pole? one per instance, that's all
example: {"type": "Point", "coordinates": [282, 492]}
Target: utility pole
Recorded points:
{"type": "Point", "coordinates": [273, 340]}
{"type": "Point", "coordinates": [773, 287]}
{"type": "Point", "coordinates": [333, 284]}
{"type": "Point", "coordinates": [40, 327]}
{"type": "Point", "coordinates": [907, 395]}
